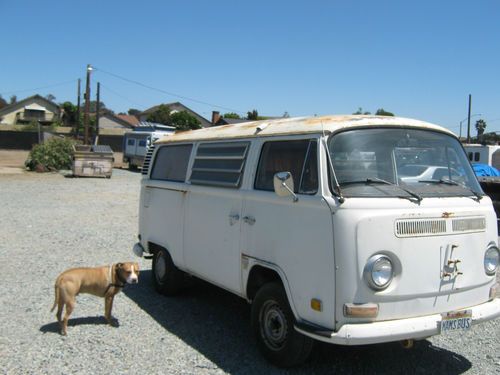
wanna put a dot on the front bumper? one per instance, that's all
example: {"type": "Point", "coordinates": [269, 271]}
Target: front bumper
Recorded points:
{"type": "Point", "coordinates": [396, 330]}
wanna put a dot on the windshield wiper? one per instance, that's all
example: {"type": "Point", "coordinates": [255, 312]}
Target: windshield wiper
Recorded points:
{"type": "Point", "coordinates": [381, 181]}
{"type": "Point", "coordinates": [447, 181]}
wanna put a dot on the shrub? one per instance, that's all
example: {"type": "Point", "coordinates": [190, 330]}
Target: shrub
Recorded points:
{"type": "Point", "coordinates": [52, 155]}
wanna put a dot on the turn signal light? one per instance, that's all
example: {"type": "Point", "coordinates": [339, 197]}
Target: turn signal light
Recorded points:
{"type": "Point", "coordinates": [365, 310]}
{"type": "Point", "coordinates": [316, 304]}
{"type": "Point", "coordinates": [493, 291]}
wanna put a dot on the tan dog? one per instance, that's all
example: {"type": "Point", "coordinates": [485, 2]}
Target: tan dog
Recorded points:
{"type": "Point", "coordinates": [104, 281]}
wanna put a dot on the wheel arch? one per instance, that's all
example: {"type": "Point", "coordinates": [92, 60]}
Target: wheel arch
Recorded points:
{"type": "Point", "coordinates": [153, 248]}
{"type": "Point", "coordinates": [261, 274]}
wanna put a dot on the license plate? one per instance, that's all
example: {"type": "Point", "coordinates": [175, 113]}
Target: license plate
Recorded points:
{"type": "Point", "coordinates": [456, 321]}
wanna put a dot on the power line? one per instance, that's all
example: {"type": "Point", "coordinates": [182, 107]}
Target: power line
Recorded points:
{"type": "Point", "coordinates": [39, 88]}
{"type": "Point", "coordinates": [167, 92]}
{"type": "Point", "coordinates": [121, 96]}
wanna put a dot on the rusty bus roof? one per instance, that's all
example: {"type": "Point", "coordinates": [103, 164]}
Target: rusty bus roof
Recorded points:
{"type": "Point", "coordinates": [296, 125]}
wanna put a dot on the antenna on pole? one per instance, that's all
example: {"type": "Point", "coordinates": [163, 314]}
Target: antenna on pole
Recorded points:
{"type": "Point", "coordinates": [87, 106]}
{"type": "Point", "coordinates": [78, 105]}
{"type": "Point", "coordinates": [97, 111]}
{"type": "Point", "coordinates": [468, 119]}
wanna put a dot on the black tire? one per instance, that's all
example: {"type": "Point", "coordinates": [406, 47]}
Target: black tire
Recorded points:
{"type": "Point", "coordinates": [167, 278]}
{"type": "Point", "coordinates": [273, 328]}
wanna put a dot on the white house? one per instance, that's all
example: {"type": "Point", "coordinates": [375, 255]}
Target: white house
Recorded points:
{"type": "Point", "coordinates": [36, 108]}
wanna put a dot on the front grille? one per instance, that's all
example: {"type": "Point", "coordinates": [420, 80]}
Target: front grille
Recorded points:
{"type": "Point", "coordinates": [147, 160]}
{"type": "Point", "coordinates": [420, 227]}
{"type": "Point", "coordinates": [439, 226]}
{"type": "Point", "coordinates": [475, 224]}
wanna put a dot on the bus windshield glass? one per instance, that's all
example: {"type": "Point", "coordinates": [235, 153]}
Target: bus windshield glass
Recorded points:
{"type": "Point", "coordinates": [402, 162]}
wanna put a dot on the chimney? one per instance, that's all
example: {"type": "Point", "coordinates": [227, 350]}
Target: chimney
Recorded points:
{"type": "Point", "coordinates": [215, 117]}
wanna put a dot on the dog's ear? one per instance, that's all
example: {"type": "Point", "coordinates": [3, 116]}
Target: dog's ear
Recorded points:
{"type": "Point", "coordinates": [119, 266]}
{"type": "Point", "coordinates": [136, 265]}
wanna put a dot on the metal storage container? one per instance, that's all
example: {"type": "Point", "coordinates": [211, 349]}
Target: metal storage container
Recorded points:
{"type": "Point", "coordinates": [93, 161]}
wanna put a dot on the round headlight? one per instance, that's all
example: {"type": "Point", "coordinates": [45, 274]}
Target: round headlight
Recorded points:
{"type": "Point", "coordinates": [491, 259]}
{"type": "Point", "coordinates": [378, 272]}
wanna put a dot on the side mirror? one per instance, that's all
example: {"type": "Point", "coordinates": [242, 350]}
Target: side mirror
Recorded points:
{"type": "Point", "coordinates": [283, 185]}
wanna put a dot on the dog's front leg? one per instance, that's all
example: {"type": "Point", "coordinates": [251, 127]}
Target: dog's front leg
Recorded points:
{"type": "Point", "coordinates": [107, 310]}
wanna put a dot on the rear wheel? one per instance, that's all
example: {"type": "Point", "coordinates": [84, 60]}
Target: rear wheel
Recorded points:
{"type": "Point", "coordinates": [167, 278]}
{"type": "Point", "coordinates": [273, 327]}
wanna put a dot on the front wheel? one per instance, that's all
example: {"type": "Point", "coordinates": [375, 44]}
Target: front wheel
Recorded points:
{"type": "Point", "coordinates": [273, 327]}
{"type": "Point", "coordinates": [167, 278]}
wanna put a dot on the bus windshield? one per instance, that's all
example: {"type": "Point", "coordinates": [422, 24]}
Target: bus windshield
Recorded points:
{"type": "Point", "coordinates": [400, 161]}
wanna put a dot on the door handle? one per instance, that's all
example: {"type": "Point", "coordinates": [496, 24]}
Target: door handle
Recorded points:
{"type": "Point", "coordinates": [233, 218]}
{"type": "Point", "coordinates": [249, 220]}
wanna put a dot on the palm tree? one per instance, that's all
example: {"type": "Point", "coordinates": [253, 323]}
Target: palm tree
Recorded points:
{"type": "Point", "coordinates": [480, 126]}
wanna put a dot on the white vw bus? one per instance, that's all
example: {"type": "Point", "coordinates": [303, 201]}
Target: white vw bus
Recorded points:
{"type": "Point", "coordinates": [345, 229]}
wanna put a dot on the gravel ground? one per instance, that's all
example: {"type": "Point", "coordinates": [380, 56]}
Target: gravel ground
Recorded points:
{"type": "Point", "coordinates": [49, 223]}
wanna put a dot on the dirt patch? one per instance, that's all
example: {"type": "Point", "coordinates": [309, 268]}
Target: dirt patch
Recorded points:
{"type": "Point", "coordinates": [16, 158]}
{"type": "Point", "coordinates": [13, 158]}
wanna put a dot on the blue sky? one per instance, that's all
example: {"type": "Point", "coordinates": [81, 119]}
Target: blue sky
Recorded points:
{"type": "Point", "coordinates": [418, 59]}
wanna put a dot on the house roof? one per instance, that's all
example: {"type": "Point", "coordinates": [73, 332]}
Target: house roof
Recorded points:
{"type": "Point", "coordinates": [117, 119]}
{"type": "Point", "coordinates": [297, 125]}
{"type": "Point", "coordinates": [178, 106]}
{"type": "Point", "coordinates": [29, 101]}
{"type": "Point", "coordinates": [226, 120]}
{"type": "Point", "coordinates": [132, 120]}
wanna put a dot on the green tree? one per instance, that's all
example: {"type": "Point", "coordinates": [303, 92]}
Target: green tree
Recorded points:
{"type": "Point", "coordinates": [490, 138]}
{"type": "Point", "coordinates": [480, 127]}
{"type": "Point", "coordinates": [3, 102]}
{"type": "Point", "coordinates": [253, 115]}
{"type": "Point", "coordinates": [134, 112]}
{"type": "Point", "coordinates": [184, 121]}
{"type": "Point", "coordinates": [13, 99]}
{"type": "Point", "coordinates": [102, 107]}
{"type": "Point", "coordinates": [231, 115]}
{"type": "Point", "coordinates": [70, 112]}
{"type": "Point", "coordinates": [50, 97]}
{"type": "Point", "coordinates": [361, 112]}
{"type": "Point", "coordinates": [382, 112]}
{"type": "Point", "coordinates": [161, 115]}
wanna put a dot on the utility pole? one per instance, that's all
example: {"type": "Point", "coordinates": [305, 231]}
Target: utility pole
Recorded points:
{"type": "Point", "coordinates": [468, 119]}
{"type": "Point", "coordinates": [87, 106]}
{"type": "Point", "coordinates": [77, 123]}
{"type": "Point", "coordinates": [98, 107]}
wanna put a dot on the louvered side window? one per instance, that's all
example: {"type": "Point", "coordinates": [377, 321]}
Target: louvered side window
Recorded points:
{"type": "Point", "coordinates": [219, 164]}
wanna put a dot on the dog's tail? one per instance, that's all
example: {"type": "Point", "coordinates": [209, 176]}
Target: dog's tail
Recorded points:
{"type": "Point", "coordinates": [56, 290]}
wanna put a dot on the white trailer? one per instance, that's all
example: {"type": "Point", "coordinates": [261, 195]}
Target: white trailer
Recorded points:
{"type": "Point", "coordinates": [136, 143]}
{"type": "Point", "coordinates": [484, 154]}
